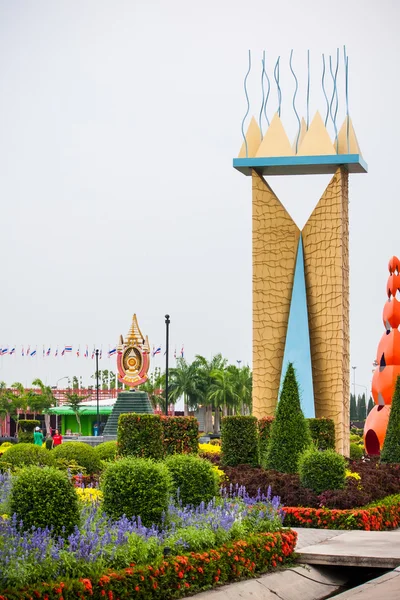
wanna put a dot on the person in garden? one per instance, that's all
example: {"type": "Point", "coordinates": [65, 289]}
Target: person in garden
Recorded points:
{"type": "Point", "coordinates": [57, 438]}
{"type": "Point", "coordinates": [38, 437]}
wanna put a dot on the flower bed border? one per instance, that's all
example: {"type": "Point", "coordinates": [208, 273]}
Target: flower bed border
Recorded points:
{"type": "Point", "coordinates": [176, 576]}
{"type": "Point", "coordinates": [379, 516]}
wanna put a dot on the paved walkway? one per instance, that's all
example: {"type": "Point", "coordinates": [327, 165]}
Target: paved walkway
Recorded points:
{"type": "Point", "coordinates": [376, 549]}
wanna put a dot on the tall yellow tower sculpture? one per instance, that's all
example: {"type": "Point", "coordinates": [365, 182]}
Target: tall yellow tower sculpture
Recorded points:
{"type": "Point", "coordinates": [283, 256]}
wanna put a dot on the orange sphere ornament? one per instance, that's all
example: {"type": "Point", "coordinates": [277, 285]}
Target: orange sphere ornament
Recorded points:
{"type": "Point", "coordinates": [394, 265]}
{"type": "Point", "coordinates": [375, 429]}
{"type": "Point", "coordinates": [389, 349]}
{"type": "Point", "coordinates": [391, 313]}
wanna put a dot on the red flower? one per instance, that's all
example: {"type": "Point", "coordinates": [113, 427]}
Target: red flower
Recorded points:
{"type": "Point", "coordinates": [180, 575]}
{"type": "Point", "coordinates": [137, 588]}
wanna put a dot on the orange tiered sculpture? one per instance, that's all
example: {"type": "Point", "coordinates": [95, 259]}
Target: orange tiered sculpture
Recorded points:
{"type": "Point", "coordinates": [387, 365]}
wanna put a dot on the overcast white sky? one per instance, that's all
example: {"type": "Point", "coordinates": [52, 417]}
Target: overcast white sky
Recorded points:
{"type": "Point", "coordinates": [118, 125]}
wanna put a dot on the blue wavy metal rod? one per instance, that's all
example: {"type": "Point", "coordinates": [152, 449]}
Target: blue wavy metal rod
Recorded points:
{"type": "Point", "coordinates": [346, 66]}
{"type": "Point", "coordinates": [248, 105]}
{"type": "Point", "coordinates": [323, 89]}
{"type": "Point", "coordinates": [276, 77]}
{"type": "Point", "coordinates": [263, 94]}
{"type": "Point", "coordinates": [294, 98]}
{"type": "Point", "coordinates": [308, 88]}
{"type": "Point", "coordinates": [267, 96]}
{"type": "Point", "coordinates": [334, 94]}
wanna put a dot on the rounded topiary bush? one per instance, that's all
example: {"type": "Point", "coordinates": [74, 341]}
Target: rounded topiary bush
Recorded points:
{"type": "Point", "coordinates": [22, 455]}
{"type": "Point", "coordinates": [194, 477]}
{"type": "Point", "coordinates": [136, 487]}
{"type": "Point", "coordinates": [79, 452]}
{"type": "Point", "coordinates": [356, 451]}
{"type": "Point", "coordinates": [44, 497]}
{"type": "Point", "coordinates": [26, 427]}
{"type": "Point", "coordinates": [322, 470]}
{"type": "Point", "coordinates": [106, 450]}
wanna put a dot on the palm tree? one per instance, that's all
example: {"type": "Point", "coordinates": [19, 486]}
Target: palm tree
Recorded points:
{"type": "Point", "coordinates": [205, 370]}
{"type": "Point", "coordinates": [74, 402]}
{"type": "Point", "coordinates": [43, 401]}
{"type": "Point", "coordinates": [222, 391]}
{"type": "Point", "coordinates": [19, 401]}
{"type": "Point", "coordinates": [153, 387]}
{"type": "Point", "coordinates": [184, 381]}
{"type": "Point", "coordinates": [243, 384]}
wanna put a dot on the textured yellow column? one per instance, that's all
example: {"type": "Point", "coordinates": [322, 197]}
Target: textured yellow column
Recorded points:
{"type": "Point", "coordinates": [326, 263]}
{"type": "Point", "coordinates": [275, 241]}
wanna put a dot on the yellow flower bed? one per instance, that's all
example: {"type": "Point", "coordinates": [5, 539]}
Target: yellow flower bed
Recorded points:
{"type": "Point", "coordinates": [210, 448]}
{"type": "Point", "coordinates": [355, 476]}
{"type": "Point", "coordinates": [89, 494]}
{"type": "Point", "coordinates": [221, 475]}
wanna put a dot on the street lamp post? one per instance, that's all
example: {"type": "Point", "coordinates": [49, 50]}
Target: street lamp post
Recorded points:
{"type": "Point", "coordinates": [167, 322]}
{"type": "Point", "coordinates": [97, 391]}
{"type": "Point", "coordinates": [354, 381]}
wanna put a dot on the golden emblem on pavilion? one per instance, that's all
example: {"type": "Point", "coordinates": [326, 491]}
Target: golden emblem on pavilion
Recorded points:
{"type": "Point", "coordinates": [133, 358]}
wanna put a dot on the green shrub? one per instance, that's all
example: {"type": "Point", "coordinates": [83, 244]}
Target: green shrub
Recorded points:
{"type": "Point", "coordinates": [356, 451]}
{"type": "Point", "coordinates": [239, 437]}
{"type": "Point", "coordinates": [44, 497]}
{"type": "Point", "coordinates": [290, 434]}
{"type": "Point", "coordinates": [322, 433]}
{"type": "Point", "coordinates": [194, 477]}
{"type": "Point", "coordinates": [80, 453]}
{"type": "Point", "coordinates": [22, 455]}
{"type": "Point", "coordinates": [322, 470]}
{"type": "Point", "coordinates": [106, 450]}
{"type": "Point", "coordinates": [264, 431]}
{"type": "Point", "coordinates": [136, 487]}
{"type": "Point", "coordinates": [180, 435]}
{"type": "Point", "coordinates": [26, 427]}
{"type": "Point", "coordinates": [140, 436]}
{"type": "Point", "coordinates": [391, 446]}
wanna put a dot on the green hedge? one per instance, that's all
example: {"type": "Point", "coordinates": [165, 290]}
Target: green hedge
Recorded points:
{"type": "Point", "coordinates": [322, 470]}
{"type": "Point", "coordinates": [239, 441]}
{"type": "Point", "coordinates": [140, 436]}
{"type": "Point", "coordinates": [136, 487]}
{"type": "Point", "coordinates": [180, 435]}
{"type": "Point", "coordinates": [26, 427]}
{"type": "Point", "coordinates": [264, 431]}
{"type": "Point", "coordinates": [22, 455]}
{"type": "Point", "coordinates": [79, 452]}
{"type": "Point", "coordinates": [44, 497]}
{"type": "Point", "coordinates": [194, 479]}
{"type": "Point", "coordinates": [322, 433]}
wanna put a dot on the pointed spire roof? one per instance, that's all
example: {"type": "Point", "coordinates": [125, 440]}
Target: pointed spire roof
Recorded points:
{"type": "Point", "coordinates": [253, 138]}
{"type": "Point", "coordinates": [316, 141]}
{"type": "Point", "coordinates": [134, 336]}
{"type": "Point", "coordinates": [276, 141]}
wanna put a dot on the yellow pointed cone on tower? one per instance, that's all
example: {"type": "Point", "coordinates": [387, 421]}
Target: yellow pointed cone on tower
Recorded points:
{"type": "Point", "coordinates": [316, 141]}
{"type": "Point", "coordinates": [253, 138]}
{"type": "Point", "coordinates": [275, 141]}
{"type": "Point", "coordinates": [350, 145]}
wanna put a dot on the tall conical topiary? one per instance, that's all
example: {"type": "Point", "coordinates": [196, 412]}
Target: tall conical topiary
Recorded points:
{"type": "Point", "coordinates": [391, 447]}
{"type": "Point", "coordinates": [290, 434]}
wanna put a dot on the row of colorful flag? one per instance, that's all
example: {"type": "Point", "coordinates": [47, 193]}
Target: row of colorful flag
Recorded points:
{"type": "Point", "coordinates": [32, 352]}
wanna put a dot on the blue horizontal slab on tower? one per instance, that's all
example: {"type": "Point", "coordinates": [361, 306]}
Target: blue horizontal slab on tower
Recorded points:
{"type": "Point", "coordinates": [301, 165]}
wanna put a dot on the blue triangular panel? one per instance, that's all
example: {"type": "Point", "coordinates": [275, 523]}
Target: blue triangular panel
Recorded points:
{"type": "Point", "coordinates": [297, 347]}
